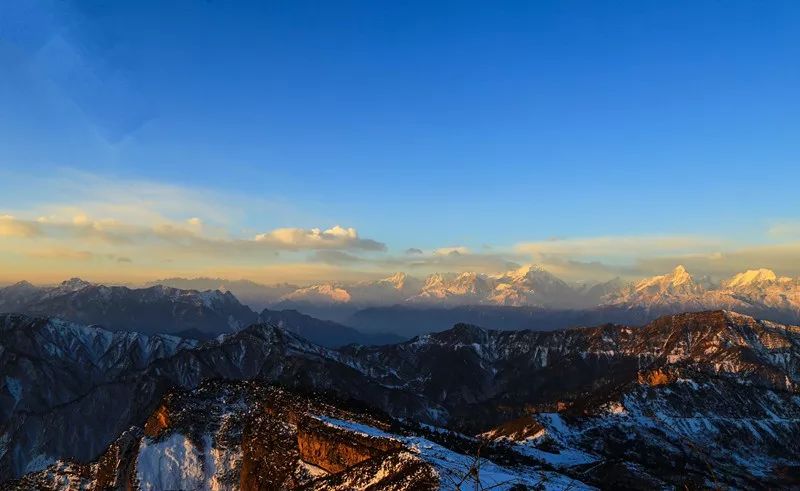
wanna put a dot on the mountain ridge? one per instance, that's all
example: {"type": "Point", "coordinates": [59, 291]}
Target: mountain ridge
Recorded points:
{"type": "Point", "coordinates": [717, 369]}
{"type": "Point", "coordinates": [162, 309]}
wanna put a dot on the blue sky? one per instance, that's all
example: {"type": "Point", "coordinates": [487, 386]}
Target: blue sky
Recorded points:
{"type": "Point", "coordinates": [480, 125]}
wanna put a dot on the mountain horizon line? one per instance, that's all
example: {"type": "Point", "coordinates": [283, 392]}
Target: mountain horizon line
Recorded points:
{"type": "Point", "coordinates": [759, 273]}
{"type": "Point", "coordinates": [749, 291]}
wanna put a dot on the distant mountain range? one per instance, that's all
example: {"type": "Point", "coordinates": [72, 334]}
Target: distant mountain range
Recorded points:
{"type": "Point", "coordinates": [532, 298]}
{"type": "Point", "coordinates": [526, 298]}
{"type": "Point", "coordinates": [527, 286]}
{"type": "Point", "coordinates": [759, 293]}
{"type": "Point", "coordinates": [165, 310]}
{"type": "Point", "coordinates": [256, 295]}
{"type": "Point", "coordinates": [756, 291]}
{"type": "Point", "coordinates": [697, 400]}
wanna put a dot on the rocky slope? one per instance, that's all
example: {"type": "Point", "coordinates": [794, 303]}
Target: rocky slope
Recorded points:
{"type": "Point", "coordinates": [687, 399]}
{"type": "Point", "coordinates": [92, 384]}
{"type": "Point", "coordinates": [246, 435]}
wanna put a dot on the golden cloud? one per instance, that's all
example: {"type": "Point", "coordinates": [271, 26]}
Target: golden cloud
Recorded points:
{"type": "Point", "coordinates": [11, 227]}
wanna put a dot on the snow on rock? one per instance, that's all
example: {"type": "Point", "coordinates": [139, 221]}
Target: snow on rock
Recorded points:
{"type": "Point", "coordinates": [174, 463]}
{"type": "Point", "coordinates": [456, 469]}
{"type": "Point", "coordinates": [750, 277]}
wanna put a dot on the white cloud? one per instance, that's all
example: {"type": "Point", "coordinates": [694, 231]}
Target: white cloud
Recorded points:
{"type": "Point", "coordinates": [336, 237]}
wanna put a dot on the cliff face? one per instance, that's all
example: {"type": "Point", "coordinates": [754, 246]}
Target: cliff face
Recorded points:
{"type": "Point", "coordinates": [334, 450]}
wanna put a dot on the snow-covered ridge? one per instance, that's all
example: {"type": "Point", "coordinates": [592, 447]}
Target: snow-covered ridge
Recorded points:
{"type": "Point", "coordinates": [207, 439]}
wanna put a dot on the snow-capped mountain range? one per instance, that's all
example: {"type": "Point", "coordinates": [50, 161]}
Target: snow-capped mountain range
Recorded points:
{"type": "Point", "coordinates": [750, 291]}
{"type": "Point", "coordinates": [529, 286]}
{"type": "Point", "coordinates": [532, 286]}
{"type": "Point", "coordinates": [528, 297]}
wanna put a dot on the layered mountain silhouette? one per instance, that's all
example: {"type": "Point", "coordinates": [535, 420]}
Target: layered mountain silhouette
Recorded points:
{"type": "Point", "coordinates": [165, 310]}
{"type": "Point", "coordinates": [691, 400]}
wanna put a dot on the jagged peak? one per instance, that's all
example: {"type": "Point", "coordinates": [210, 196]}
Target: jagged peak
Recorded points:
{"type": "Point", "coordinates": [434, 279]}
{"type": "Point", "coordinates": [524, 271]}
{"type": "Point", "coordinates": [469, 279]}
{"type": "Point", "coordinates": [74, 284]}
{"type": "Point", "coordinates": [680, 276]}
{"type": "Point", "coordinates": [397, 280]}
{"type": "Point", "coordinates": [398, 276]}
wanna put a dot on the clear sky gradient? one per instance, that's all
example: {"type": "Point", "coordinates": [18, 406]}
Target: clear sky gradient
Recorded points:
{"type": "Point", "coordinates": [635, 133]}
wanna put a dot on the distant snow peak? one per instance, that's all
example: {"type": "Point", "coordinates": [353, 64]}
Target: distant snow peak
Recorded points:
{"type": "Point", "coordinates": [325, 293]}
{"type": "Point", "coordinates": [524, 272]}
{"type": "Point", "coordinates": [397, 280]}
{"type": "Point", "coordinates": [677, 281]}
{"type": "Point", "coordinates": [751, 277]}
{"type": "Point", "coordinates": [680, 276]}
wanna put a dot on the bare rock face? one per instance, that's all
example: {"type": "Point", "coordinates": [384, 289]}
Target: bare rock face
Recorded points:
{"type": "Point", "coordinates": [334, 450]}
{"type": "Point", "coordinates": [654, 377]}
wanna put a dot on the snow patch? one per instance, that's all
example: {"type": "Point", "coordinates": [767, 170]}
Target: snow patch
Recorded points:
{"type": "Point", "coordinates": [173, 463]}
